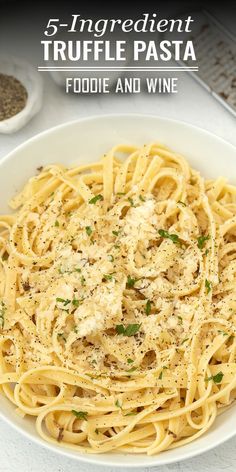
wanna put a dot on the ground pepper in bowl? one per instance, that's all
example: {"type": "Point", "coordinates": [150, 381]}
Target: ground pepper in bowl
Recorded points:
{"type": "Point", "coordinates": [13, 96]}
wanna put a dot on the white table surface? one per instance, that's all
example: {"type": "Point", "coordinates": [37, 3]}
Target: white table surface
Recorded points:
{"type": "Point", "coordinates": [192, 104]}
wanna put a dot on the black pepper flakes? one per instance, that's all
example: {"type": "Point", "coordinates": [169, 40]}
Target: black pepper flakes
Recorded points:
{"type": "Point", "coordinates": [13, 96]}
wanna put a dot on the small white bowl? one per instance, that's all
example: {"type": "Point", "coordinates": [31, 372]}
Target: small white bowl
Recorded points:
{"type": "Point", "coordinates": [26, 74]}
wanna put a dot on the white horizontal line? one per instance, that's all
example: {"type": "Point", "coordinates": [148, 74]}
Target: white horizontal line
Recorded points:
{"type": "Point", "coordinates": [119, 67]}
{"type": "Point", "coordinates": [144, 69]}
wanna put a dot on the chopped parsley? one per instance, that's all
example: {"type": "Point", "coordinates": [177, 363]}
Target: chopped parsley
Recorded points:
{"type": "Point", "coordinates": [117, 403]}
{"type": "Point", "coordinates": [201, 241]}
{"type": "Point", "coordinates": [208, 286]}
{"type": "Point", "coordinates": [165, 234]}
{"type": "Point", "coordinates": [148, 307]}
{"type": "Point", "coordinates": [75, 302]}
{"type": "Point", "coordinates": [95, 199]}
{"type": "Point", "coordinates": [96, 431]}
{"type": "Point", "coordinates": [161, 373]}
{"type": "Point", "coordinates": [116, 233]}
{"type": "Point", "coordinates": [78, 270]}
{"type": "Point", "coordinates": [223, 332]}
{"type": "Point", "coordinates": [57, 223]}
{"type": "Point", "coordinates": [184, 340]}
{"type": "Point", "coordinates": [130, 330]}
{"type": "Point", "coordinates": [131, 281]}
{"type": "Point", "coordinates": [180, 319]}
{"type": "Point", "coordinates": [142, 198]}
{"type": "Point", "coordinates": [63, 300]}
{"type": "Point", "coordinates": [130, 361]}
{"type": "Point", "coordinates": [120, 193]}
{"type": "Point", "coordinates": [108, 277]}
{"type": "Point", "coordinates": [88, 230]}
{"type": "Point", "coordinates": [2, 313]}
{"type": "Point", "coordinates": [132, 413]}
{"type": "Point", "coordinates": [131, 201]}
{"type": "Point", "coordinates": [81, 415]}
{"type": "Point", "coordinates": [216, 378]}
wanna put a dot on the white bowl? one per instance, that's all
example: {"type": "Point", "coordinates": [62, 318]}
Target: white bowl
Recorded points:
{"type": "Point", "coordinates": [32, 81]}
{"type": "Point", "coordinates": [85, 140]}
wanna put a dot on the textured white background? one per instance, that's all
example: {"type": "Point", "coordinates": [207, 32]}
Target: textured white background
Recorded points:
{"type": "Point", "coordinates": [192, 104]}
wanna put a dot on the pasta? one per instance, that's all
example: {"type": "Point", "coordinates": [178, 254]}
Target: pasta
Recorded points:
{"type": "Point", "coordinates": [118, 302]}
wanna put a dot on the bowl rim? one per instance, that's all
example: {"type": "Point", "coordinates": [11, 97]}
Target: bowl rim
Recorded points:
{"type": "Point", "coordinates": [69, 453]}
{"type": "Point", "coordinates": [116, 115]}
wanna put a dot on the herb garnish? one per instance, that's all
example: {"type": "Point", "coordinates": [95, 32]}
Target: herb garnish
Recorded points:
{"type": "Point", "coordinates": [75, 302]}
{"type": "Point", "coordinates": [63, 300]}
{"type": "Point", "coordinates": [216, 378]}
{"type": "Point", "coordinates": [201, 241]}
{"type": "Point", "coordinates": [130, 361]}
{"type": "Point", "coordinates": [131, 281]}
{"type": "Point", "coordinates": [108, 277]}
{"type": "Point", "coordinates": [81, 415]}
{"type": "Point", "coordinates": [161, 373]}
{"type": "Point", "coordinates": [142, 198]}
{"type": "Point", "coordinates": [208, 286]}
{"type": "Point", "coordinates": [130, 330]}
{"type": "Point", "coordinates": [82, 280]}
{"type": "Point", "coordinates": [116, 233]}
{"type": "Point", "coordinates": [95, 199]}
{"type": "Point", "coordinates": [148, 307]}
{"type": "Point", "coordinates": [56, 223]}
{"type": "Point", "coordinates": [88, 230]}
{"type": "Point", "coordinates": [131, 201]}
{"type": "Point", "coordinates": [165, 234]}
{"type": "Point", "coordinates": [117, 403]}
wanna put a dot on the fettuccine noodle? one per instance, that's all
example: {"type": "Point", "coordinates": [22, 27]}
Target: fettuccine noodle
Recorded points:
{"type": "Point", "coordinates": [118, 302]}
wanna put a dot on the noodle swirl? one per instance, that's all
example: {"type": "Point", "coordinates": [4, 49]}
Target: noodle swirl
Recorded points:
{"type": "Point", "coordinates": [117, 301]}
